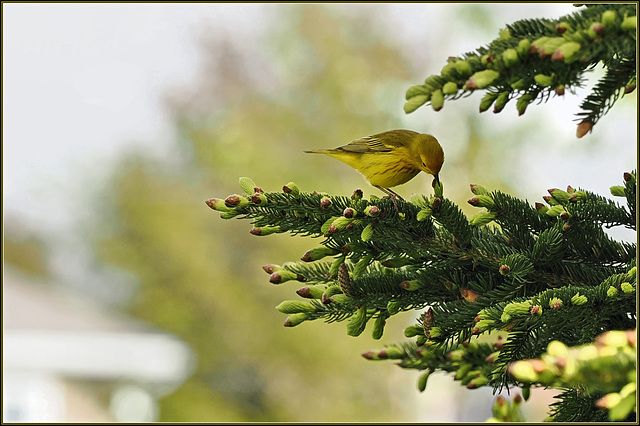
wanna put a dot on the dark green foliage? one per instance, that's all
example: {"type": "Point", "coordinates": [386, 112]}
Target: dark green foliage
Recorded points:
{"type": "Point", "coordinates": [534, 59]}
{"type": "Point", "coordinates": [545, 273]}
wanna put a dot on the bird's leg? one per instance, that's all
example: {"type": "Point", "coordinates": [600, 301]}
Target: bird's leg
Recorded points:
{"type": "Point", "coordinates": [392, 195]}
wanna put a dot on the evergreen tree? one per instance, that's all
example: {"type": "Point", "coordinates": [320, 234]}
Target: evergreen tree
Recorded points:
{"type": "Point", "coordinates": [506, 293]}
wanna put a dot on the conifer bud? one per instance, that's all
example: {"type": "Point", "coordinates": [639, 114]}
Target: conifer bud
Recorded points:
{"type": "Point", "coordinates": [501, 101]}
{"type": "Point", "coordinates": [577, 196]}
{"type": "Point", "coordinates": [608, 18]}
{"type": "Point", "coordinates": [229, 215]}
{"type": "Point", "coordinates": [361, 266]}
{"type": "Point", "coordinates": [628, 176]}
{"type": "Point", "coordinates": [578, 299]}
{"type": "Point", "coordinates": [536, 310]}
{"type": "Point", "coordinates": [325, 202]}
{"type": "Point", "coordinates": [612, 292]}
{"type": "Point", "coordinates": [217, 204]}
{"type": "Point", "coordinates": [463, 68]}
{"type": "Point", "coordinates": [596, 28]}
{"type": "Point", "coordinates": [555, 303]}
{"type": "Point", "coordinates": [583, 128]}
{"type": "Point", "coordinates": [338, 299]}
{"type": "Point", "coordinates": [518, 308]}
{"type": "Point", "coordinates": [487, 100]}
{"type": "Point", "coordinates": [291, 188]}
{"type": "Point", "coordinates": [423, 214]}
{"type": "Point", "coordinates": [436, 202]}
{"type": "Point", "coordinates": [265, 230]}
{"type": "Point", "coordinates": [481, 201]}
{"type": "Point", "coordinates": [330, 292]}
{"type": "Point", "coordinates": [523, 102]}
{"type": "Point", "coordinates": [284, 275]}
{"type": "Point", "coordinates": [296, 319]}
{"type": "Point", "coordinates": [562, 27]}
{"type": "Point", "coordinates": [481, 79]}
{"type": "Point", "coordinates": [247, 185]}
{"type": "Point", "coordinates": [416, 90]}
{"type": "Point", "coordinates": [413, 330]}
{"type": "Point", "coordinates": [378, 327]}
{"type": "Point", "coordinates": [318, 253]}
{"type": "Point", "coordinates": [504, 269]}
{"type": "Point", "coordinates": [559, 195]}
{"type": "Point", "coordinates": [629, 24]}
{"type": "Point", "coordinates": [412, 285]}
{"type": "Point", "coordinates": [520, 84]}
{"type": "Point", "coordinates": [435, 332]}
{"type": "Point", "coordinates": [482, 218]}
{"type": "Point", "coordinates": [627, 287]}
{"type": "Point", "coordinates": [568, 52]}
{"type": "Point", "coordinates": [448, 71]}
{"type": "Point", "coordinates": [358, 322]}
{"type": "Point", "coordinates": [295, 306]}
{"type": "Point", "coordinates": [393, 307]}
{"type": "Point", "coordinates": [235, 201]}
{"type": "Point", "coordinates": [543, 80]}
{"type": "Point", "coordinates": [339, 224]}
{"type": "Point", "coordinates": [335, 267]}
{"type": "Point", "coordinates": [478, 189]}
{"type": "Point", "coordinates": [367, 233]}
{"type": "Point", "coordinates": [523, 371]}
{"type": "Point", "coordinates": [631, 274]}
{"type": "Point", "coordinates": [449, 88]}
{"type": "Point", "coordinates": [357, 194]}
{"type": "Point", "coordinates": [555, 211]}
{"type": "Point", "coordinates": [422, 380]}
{"type": "Point", "coordinates": [372, 211]}
{"type": "Point", "coordinates": [523, 47]}
{"type": "Point", "coordinates": [414, 103]}
{"type": "Point", "coordinates": [510, 57]}
{"type": "Point", "coordinates": [312, 292]}
{"type": "Point", "coordinates": [437, 100]}
{"type": "Point", "coordinates": [505, 33]}
{"type": "Point", "coordinates": [481, 326]}
{"type": "Point", "coordinates": [349, 212]}
{"type": "Point", "coordinates": [560, 90]}
{"type": "Point", "coordinates": [617, 191]}
{"type": "Point", "coordinates": [258, 198]}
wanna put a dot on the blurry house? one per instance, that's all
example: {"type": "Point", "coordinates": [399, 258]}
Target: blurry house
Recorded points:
{"type": "Point", "coordinates": [68, 360]}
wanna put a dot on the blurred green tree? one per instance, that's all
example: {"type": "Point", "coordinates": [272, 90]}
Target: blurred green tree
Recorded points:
{"type": "Point", "coordinates": [198, 279]}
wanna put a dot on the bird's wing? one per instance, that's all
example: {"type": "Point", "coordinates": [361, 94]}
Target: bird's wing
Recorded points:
{"type": "Point", "coordinates": [392, 139]}
{"type": "Point", "coordinates": [366, 144]}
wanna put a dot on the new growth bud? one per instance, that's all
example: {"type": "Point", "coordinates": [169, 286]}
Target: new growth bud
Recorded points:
{"type": "Point", "coordinates": [235, 201]}
{"type": "Point", "coordinates": [481, 79]}
{"type": "Point", "coordinates": [291, 188]}
{"type": "Point", "coordinates": [247, 185]}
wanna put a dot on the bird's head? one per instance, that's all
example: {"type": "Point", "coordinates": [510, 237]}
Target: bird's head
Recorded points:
{"type": "Point", "coordinates": [430, 154]}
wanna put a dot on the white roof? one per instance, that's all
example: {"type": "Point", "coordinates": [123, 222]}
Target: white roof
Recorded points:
{"type": "Point", "coordinates": [46, 330]}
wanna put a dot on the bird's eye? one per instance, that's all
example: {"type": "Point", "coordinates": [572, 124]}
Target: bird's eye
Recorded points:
{"type": "Point", "coordinates": [424, 165]}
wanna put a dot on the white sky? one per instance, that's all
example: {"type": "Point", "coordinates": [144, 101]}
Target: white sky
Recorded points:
{"type": "Point", "coordinates": [81, 82]}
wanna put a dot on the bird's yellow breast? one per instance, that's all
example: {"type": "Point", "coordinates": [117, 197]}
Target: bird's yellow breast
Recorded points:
{"type": "Point", "coordinates": [386, 169]}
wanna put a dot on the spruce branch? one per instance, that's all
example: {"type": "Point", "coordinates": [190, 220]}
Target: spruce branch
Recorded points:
{"type": "Point", "coordinates": [534, 59]}
{"type": "Point", "coordinates": [548, 272]}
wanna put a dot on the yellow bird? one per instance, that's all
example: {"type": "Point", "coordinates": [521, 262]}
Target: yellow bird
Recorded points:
{"type": "Point", "coordinates": [391, 158]}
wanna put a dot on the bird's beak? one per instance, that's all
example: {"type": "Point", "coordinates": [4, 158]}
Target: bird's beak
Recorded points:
{"type": "Point", "coordinates": [436, 178]}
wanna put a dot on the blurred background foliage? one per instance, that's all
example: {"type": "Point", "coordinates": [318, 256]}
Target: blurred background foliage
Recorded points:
{"type": "Point", "coordinates": [317, 79]}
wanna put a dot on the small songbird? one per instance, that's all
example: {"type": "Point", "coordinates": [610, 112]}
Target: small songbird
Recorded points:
{"type": "Point", "coordinates": [391, 158]}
